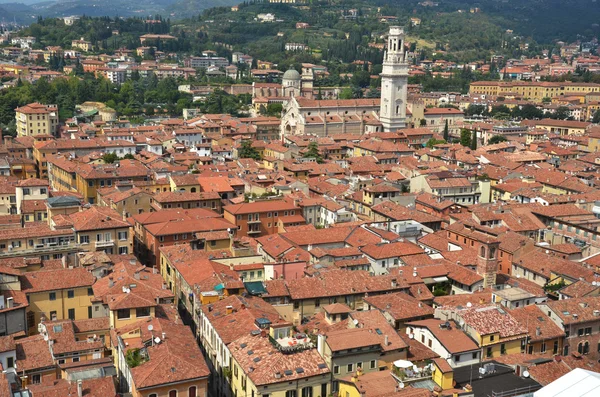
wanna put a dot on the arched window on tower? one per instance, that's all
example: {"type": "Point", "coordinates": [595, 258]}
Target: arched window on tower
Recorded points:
{"type": "Point", "coordinates": [482, 251]}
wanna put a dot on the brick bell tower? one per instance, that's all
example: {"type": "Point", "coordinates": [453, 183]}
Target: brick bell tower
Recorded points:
{"type": "Point", "coordinates": [487, 262]}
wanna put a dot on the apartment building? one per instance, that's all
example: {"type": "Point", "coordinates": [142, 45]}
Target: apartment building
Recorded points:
{"type": "Point", "coordinates": [57, 295]}
{"type": "Point", "coordinates": [261, 217]}
{"type": "Point", "coordinates": [102, 229]}
{"type": "Point", "coordinates": [37, 119]}
{"type": "Point", "coordinates": [535, 91]}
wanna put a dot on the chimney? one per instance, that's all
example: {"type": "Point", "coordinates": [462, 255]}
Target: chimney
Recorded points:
{"type": "Point", "coordinates": [9, 302]}
{"type": "Point", "coordinates": [394, 283]}
{"type": "Point", "coordinates": [386, 341]}
{"type": "Point", "coordinates": [228, 309]}
{"type": "Point", "coordinates": [164, 336]}
{"type": "Point", "coordinates": [136, 275]}
{"type": "Point", "coordinates": [79, 388]}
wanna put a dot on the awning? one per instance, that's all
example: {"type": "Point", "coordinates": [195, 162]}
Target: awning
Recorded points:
{"type": "Point", "coordinates": [219, 287]}
{"type": "Point", "coordinates": [403, 364]}
{"type": "Point", "coordinates": [255, 287]}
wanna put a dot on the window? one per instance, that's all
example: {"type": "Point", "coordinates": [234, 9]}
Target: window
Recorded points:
{"type": "Point", "coordinates": [457, 358]}
{"type": "Point", "coordinates": [52, 296]}
{"type": "Point", "coordinates": [36, 379]}
{"type": "Point", "coordinates": [503, 349]}
{"type": "Point", "coordinates": [70, 294]}
{"type": "Point", "coordinates": [142, 312]}
{"type": "Point", "coordinates": [75, 359]}
{"type": "Point", "coordinates": [555, 348]}
{"type": "Point", "coordinates": [84, 239]}
{"type": "Point", "coordinates": [290, 393]}
{"type": "Point", "coordinates": [192, 391]}
{"type": "Point", "coordinates": [588, 331]}
{"type": "Point", "coordinates": [488, 353]}
{"type": "Point", "coordinates": [350, 367]}
{"type": "Point", "coordinates": [474, 356]}
{"type": "Point", "coordinates": [123, 250]}
{"type": "Point", "coordinates": [429, 343]}
{"type": "Point", "coordinates": [173, 393]}
{"type": "Point", "coordinates": [307, 391]}
{"type": "Point", "coordinates": [26, 192]}
{"type": "Point", "coordinates": [71, 314]}
{"type": "Point", "coordinates": [123, 314]}
{"type": "Point", "coordinates": [122, 235]}
{"type": "Point", "coordinates": [90, 291]}
{"type": "Point", "coordinates": [580, 332]}
{"type": "Point", "coordinates": [153, 395]}
{"type": "Point", "coordinates": [323, 390]}
{"type": "Point", "coordinates": [296, 305]}
{"type": "Point", "coordinates": [336, 369]}
{"type": "Point", "coordinates": [543, 348]}
{"type": "Point", "coordinates": [10, 362]}
{"type": "Point", "coordinates": [492, 338]}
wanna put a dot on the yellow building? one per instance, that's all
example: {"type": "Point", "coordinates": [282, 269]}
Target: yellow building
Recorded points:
{"type": "Point", "coordinates": [82, 45]}
{"type": "Point", "coordinates": [58, 295]}
{"type": "Point", "coordinates": [443, 375]}
{"type": "Point", "coordinates": [258, 368]}
{"type": "Point", "coordinates": [493, 329]}
{"type": "Point", "coordinates": [102, 229]}
{"type": "Point", "coordinates": [535, 91]}
{"type": "Point", "coordinates": [128, 202]}
{"type": "Point", "coordinates": [37, 119]}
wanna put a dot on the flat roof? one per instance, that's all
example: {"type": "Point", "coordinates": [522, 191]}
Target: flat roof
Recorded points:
{"type": "Point", "coordinates": [503, 379]}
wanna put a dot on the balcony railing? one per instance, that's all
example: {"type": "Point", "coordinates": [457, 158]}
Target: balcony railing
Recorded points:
{"type": "Point", "coordinates": [40, 249]}
{"type": "Point", "coordinates": [105, 243]}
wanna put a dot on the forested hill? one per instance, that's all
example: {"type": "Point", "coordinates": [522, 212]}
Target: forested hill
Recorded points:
{"type": "Point", "coordinates": [542, 20]}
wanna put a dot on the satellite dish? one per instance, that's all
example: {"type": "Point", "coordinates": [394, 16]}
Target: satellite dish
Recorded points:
{"type": "Point", "coordinates": [401, 385]}
{"type": "Point", "coordinates": [525, 374]}
{"type": "Point", "coordinates": [411, 336]}
{"type": "Point", "coordinates": [157, 340]}
{"type": "Point", "coordinates": [150, 327]}
{"type": "Point", "coordinates": [469, 304]}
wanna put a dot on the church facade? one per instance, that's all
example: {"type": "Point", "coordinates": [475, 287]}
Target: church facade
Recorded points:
{"type": "Point", "coordinates": [304, 115]}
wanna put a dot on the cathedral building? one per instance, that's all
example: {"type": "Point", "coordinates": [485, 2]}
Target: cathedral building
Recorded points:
{"type": "Point", "coordinates": [304, 115]}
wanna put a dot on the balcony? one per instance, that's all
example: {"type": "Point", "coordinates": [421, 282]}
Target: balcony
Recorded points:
{"type": "Point", "coordinates": [255, 221]}
{"type": "Point", "coordinates": [254, 231]}
{"type": "Point", "coordinates": [41, 249]}
{"type": "Point", "coordinates": [105, 243]}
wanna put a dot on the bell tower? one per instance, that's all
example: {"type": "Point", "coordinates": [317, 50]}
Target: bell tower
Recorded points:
{"type": "Point", "coordinates": [487, 262]}
{"type": "Point", "coordinates": [394, 80]}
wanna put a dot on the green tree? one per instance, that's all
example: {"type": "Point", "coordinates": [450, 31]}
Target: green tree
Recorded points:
{"type": "Point", "coordinates": [313, 152]}
{"type": "Point", "coordinates": [497, 139]}
{"type": "Point", "coordinates": [596, 118]}
{"type": "Point", "coordinates": [446, 131]}
{"type": "Point", "coordinates": [562, 113]}
{"type": "Point", "coordinates": [474, 140]}
{"type": "Point", "coordinates": [465, 137]}
{"type": "Point", "coordinates": [110, 158]}
{"type": "Point", "coordinates": [432, 142]}
{"type": "Point", "coordinates": [346, 93]}
{"type": "Point", "coordinates": [272, 109]}
{"type": "Point", "coordinates": [246, 151]}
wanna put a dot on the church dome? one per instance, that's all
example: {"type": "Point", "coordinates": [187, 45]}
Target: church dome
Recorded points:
{"type": "Point", "coordinates": [291, 74]}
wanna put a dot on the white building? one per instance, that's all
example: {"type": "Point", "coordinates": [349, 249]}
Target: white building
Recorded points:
{"type": "Point", "coordinates": [443, 338]}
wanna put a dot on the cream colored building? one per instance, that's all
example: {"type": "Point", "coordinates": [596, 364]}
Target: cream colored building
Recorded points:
{"type": "Point", "coordinates": [37, 119]}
